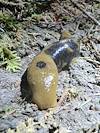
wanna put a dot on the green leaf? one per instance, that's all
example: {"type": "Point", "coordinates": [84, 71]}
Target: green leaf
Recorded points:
{"type": "Point", "coordinates": [8, 58]}
{"type": "Point", "coordinates": [13, 64]}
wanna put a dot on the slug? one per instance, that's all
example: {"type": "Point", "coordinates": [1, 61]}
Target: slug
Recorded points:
{"type": "Point", "coordinates": [42, 72]}
{"type": "Point", "coordinates": [62, 52]}
{"type": "Point", "coordinates": [42, 77]}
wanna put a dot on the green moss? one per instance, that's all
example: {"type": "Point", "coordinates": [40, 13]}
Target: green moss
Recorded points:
{"type": "Point", "coordinates": [37, 17]}
{"type": "Point", "coordinates": [9, 22]}
{"type": "Point", "coordinates": [8, 58]}
{"type": "Point", "coordinates": [96, 6]}
{"type": "Point", "coordinates": [66, 18]}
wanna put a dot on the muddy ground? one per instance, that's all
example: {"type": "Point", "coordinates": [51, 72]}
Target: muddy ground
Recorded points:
{"type": "Point", "coordinates": [79, 111]}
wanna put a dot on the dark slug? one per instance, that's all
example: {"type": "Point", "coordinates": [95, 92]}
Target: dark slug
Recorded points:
{"type": "Point", "coordinates": [62, 52]}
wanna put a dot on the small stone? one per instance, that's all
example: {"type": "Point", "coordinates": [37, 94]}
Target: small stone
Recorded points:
{"type": "Point", "coordinates": [3, 127]}
{"type": "Point", "coordinates": [97, 107]}
{"type": "Point", "coordinates": [64, 130]}
{"type": "Point", "coordinates": [43, 130]}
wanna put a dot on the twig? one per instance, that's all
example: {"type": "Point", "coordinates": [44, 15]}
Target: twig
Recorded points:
{"type": "Point", "coordinates": [15, 8]}
{"type": "Point", "coordinates": [96, 30]}
{"type": "Point", "coordinates": [62, 98]}
{"type": "Point", "coordinates": [90, 30]}
{"type": "Point", "coordinates": [93, 61]}
{"type": "Point", "coordinates": [86, 13]}
{"type": "Point", "coordinates": [77, 26]}
{"type": "Point", "coordinates": [8, 113]}
{"type": "Point", "coordinates": [95, 48]}
{"type": "Point", "coordinates": [59, 109]}
{"type": "Point", "coordinates": [81, 106]}
{"type": "Point", "coordinates": [90, 60]}
{"type": "Point", "coordinates": [2, 30]}
{"type": "Point", "coordinates": [96, 94]}
{"type": "Point", "coordinates": [10, 4]}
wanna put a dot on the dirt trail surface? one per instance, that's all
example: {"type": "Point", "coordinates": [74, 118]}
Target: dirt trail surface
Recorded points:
{"type": "Point", "coordinates": [78, 86]}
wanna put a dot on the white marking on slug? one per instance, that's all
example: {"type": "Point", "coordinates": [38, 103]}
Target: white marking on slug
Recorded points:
{"type": "Point", "coordinates": [47, 82]}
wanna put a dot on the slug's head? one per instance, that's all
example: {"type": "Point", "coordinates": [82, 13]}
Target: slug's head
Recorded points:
{"type": "Point", "coordinates": [42, 77]}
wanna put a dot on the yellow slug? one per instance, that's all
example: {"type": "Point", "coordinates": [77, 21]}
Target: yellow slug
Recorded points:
{"type": "Point", "coordinates": [42, 77]}
{"type": "Point", "coordinates": [42, 72]}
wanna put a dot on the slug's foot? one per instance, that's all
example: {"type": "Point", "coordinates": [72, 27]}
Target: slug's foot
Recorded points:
{"type": "Point", "coordinates": [26, 93]}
